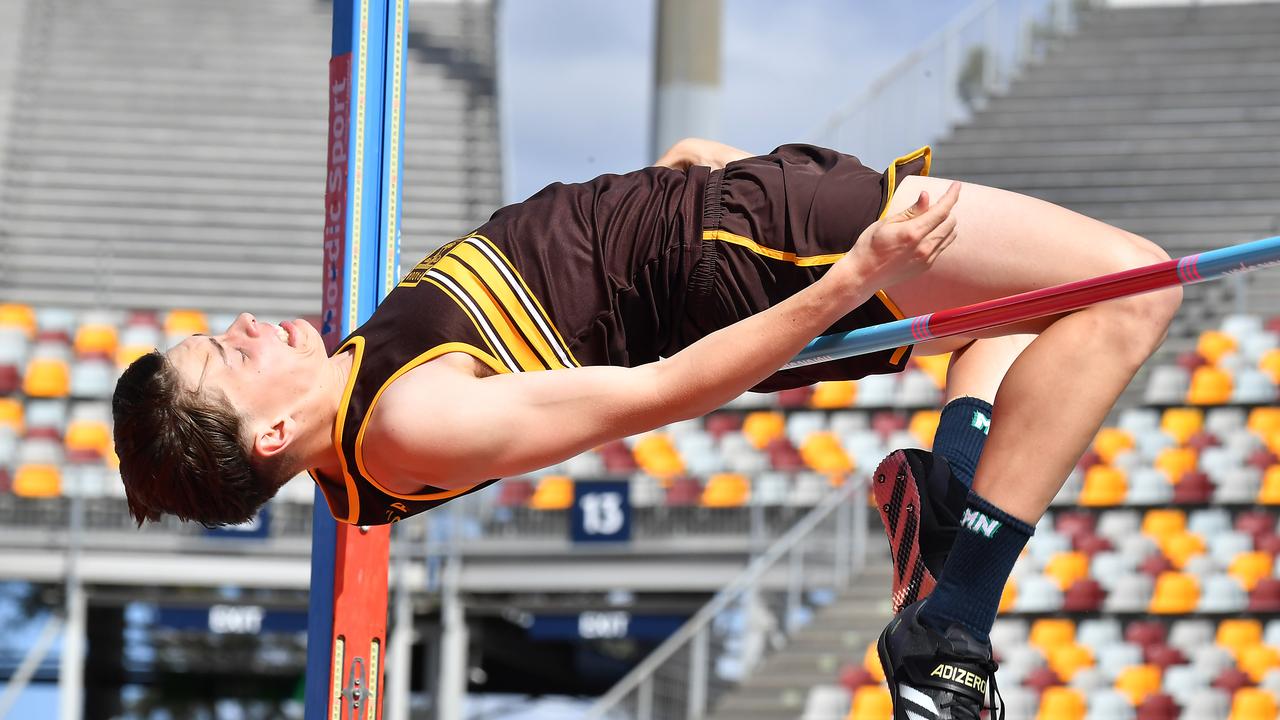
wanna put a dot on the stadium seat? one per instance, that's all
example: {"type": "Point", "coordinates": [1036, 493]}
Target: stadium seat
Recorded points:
{"type": "Point", "coordinates": [1252, 385]}
{"type": "Point", "coordinates": [1270, 364]}
{"type": "Point", "coordinates": [877, 391]}
{"type": "Point", "coordinates": [1210, 385]}
{"type": "Point", "coordinates": [871, 661]}
{"type": "Point", "coordinates": [822, 452]}
{"type": "Point", "coordinates": [763, 426]}
{"type": "Point", "coordinates": [924, 425]}
{"type": "Point", "coordinates": [916, 389]}
{"type": "Point", "coordinates": [1103, 486]}
{"type": "Point", "coordinates": [1149, 486]}
{"type": "Point", "coordinates": [96, 339]}
{"type": "Point", "coordinates": [1195, 488]}
{"type": "Point", "coordinates": [20, 317]}
{"type": "Point", "coordinates": [1162, 524]}
{"type": "Point", "coordinates": [47, 377]}
{"type": "Point", "coordinates": [1175, 594]}
{"type": "Point", "coordinates": [514, 492]}
{"type": "Point", "coordinates": [1265, 597]}
{"type": "Point", "coordinates": [1067, 567]}
{"type": "Point", "coordinates": [1048, 633]}
{"type": "Point", "coordinates": [770, 489]}
{"type": "Point", "coordinates": [1167, 384]}
{"type": "Point", "coordinates": [11, 414]}
{"type": "Point", "coordinates": [1236, 634]}
{"type": "Point", "coordinates": [37, 480]}
{"type": "Point", "coordinates": [726, 490]}
{"type": "Point", "coordinates": [1107, 704]}
{"type": "Point", "coordinates": [1257, 660]}
{"type": "Point", "coordinates": [656, 455]}
{"type": "Point", "coordinates": [1181, 547]}
{"type": "Point", "coordinates": [1207, 703]}
{"type": "Point", "coordinates": [1213, 345]}
{"type": "Point", "coordinates": [1061, 703]}
{"type": "Point", "coordinates": [87, 439]}
{"type": "Point", "coordinates": [1181, 423]}
{"type": "Point", "coordinates": [186, 322]}
{"type": "Point", "coordinates": [646, 491]}
{"type": "Point", "coordinates": [834, 394]}
{"type": "Point", "coordinates": [93, 378]}
{"type": "Point", "coordinates": [684, 492]}
{"type": "Point", "coordinates": [1250, 567]}
{"type": "Point", "coordinates": [1158, 706]}
{"type": "Point", "coordinates": [1263, 421]}
{"type": "Point", "coordinates": [554, 492]}
{"type": "Point", "coordinates": [871, 702]}
{"type": "Point", "coordinates": [1110, 442]}
{"type": "Point", "coordinates": [46, 414]}
{"type": "Point", "coordinates": [1008, 597]}
{"type": "Point", "coordinates": [1085, 595]}
{"type": "Point", "coordinates": [1175, 462]}
{"type": "Point", "coordinates": [1253, 704]}
{"type": "Point", "coordinates": [1222, 594]}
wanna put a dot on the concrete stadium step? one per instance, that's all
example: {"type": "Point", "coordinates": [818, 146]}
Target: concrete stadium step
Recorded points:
{"type": "Point", "coordinates": [1123, 69]}
{"type": "Point", "coordinates": [1152, 83]}
{"type": "Point", "coordinates": [1031, 132]}
{"type": "Point", "coordinates": [987, 148]}
{"type": "Point", "coordinates": [1105, 101]}
{"type": "Point", "coordinates": [1073, 57]}
{"type": "Point", "coordinates": [1175, 19]}
{"type": "Point", "coordinates": [947, 163]}
{"type": "Point", "coordinates": [1067, 117]}
{"type": "Point", "coordinates": [1241, 37]}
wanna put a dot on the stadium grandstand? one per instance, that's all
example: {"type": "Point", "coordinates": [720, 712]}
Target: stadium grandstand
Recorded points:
{"type": "Point", "coordinates": [160, 168]}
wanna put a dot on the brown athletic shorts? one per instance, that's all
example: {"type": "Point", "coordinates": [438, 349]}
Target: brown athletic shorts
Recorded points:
{"type": "Point", "coordinates": [772, 225]}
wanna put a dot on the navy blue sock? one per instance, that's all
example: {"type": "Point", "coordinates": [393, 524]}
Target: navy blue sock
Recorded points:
{"type": "Point", "coordinates": [973, 578]}
{"type": "Point", "coordinates": [962, 431]}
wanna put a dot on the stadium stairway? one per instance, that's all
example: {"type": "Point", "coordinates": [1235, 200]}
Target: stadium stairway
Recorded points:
{"type": "Point", "coordinates": [171, 153]}
{"type": "Point", "coordinates": [1164, 121]}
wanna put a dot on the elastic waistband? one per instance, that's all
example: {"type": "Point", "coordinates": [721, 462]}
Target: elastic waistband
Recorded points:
{"type": "Point", "coordinates": [713, 201]}
{"type": "Point", "coordinates": [702, 279]}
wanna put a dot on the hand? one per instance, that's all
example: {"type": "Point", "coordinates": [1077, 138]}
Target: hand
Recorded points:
{"type": "Point", "coordinates": [902, 246]}
{"type": "Point", "coordinates": [696, 151]}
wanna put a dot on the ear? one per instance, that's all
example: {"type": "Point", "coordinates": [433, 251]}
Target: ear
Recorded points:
{"type": "Point", "coordinates": [274, 439]}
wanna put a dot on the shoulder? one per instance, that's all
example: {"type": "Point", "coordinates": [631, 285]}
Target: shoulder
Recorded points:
{"type": "Point", "coordinates": [411, 416]}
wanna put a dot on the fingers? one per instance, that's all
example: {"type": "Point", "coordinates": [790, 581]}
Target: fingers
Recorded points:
{"type": "Point", "coordinates": [934, 216]}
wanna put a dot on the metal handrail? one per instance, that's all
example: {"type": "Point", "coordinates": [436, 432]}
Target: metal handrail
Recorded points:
{"type": "Point", "coordinates": [750, 578]}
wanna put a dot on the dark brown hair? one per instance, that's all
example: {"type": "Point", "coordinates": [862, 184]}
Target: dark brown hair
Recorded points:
{"type": "Point", "coordinates": [183, 452]}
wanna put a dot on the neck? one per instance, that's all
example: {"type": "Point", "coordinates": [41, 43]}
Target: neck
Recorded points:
{"type": "Point", "coordinates": [320, 454]}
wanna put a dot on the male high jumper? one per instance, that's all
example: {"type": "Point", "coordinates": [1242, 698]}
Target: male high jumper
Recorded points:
{"type": "Point", "coordinates": [657, 296]}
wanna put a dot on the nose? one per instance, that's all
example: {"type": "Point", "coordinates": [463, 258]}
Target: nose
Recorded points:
{"type": "Point", "coordinates": [247, 323]}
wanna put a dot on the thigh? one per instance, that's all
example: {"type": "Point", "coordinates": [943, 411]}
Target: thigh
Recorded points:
{"type": "Point", "coordinates": [1010, 243]}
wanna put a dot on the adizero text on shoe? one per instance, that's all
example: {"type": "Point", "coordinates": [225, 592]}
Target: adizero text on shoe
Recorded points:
{"type": "Point", "coordinates": [936, 676]}
{"type": "Point", "coordinates": [897, 496]}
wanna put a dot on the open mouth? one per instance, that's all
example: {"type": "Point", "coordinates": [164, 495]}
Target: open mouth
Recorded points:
{"type": "Point", "coordinates": [288, 333]}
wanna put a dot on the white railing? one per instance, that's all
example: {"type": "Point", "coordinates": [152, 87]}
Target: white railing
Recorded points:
{"type": "Point", "coordinates": [944, 80]}
{"type": "Point", "coordinates": [752, 616]}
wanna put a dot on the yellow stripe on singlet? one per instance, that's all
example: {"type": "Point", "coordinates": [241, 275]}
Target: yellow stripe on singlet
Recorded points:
{"type": "Point", "coordinates": [557, 340]}
{"type": "Point", "coordinates": [506, 329]}
{"type": "Point", "coordinates": [757, 248]}
{"type": "Point", "coordinates": [501, 290]}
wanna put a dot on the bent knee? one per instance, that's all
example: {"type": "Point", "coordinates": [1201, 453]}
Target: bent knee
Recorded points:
{"type": "Point", "coordinates": [1142, 319]}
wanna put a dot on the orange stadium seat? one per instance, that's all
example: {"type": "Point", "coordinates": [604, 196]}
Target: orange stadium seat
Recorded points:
{"type": "Point", "coordinates": [1236, 634]}
{"type": "Point", "coordinates": [1061, 703]}
{"type": "Point", "coordinates": [871, 702]}
{"type": "Point", "coordinates": [871, 661]}
{"type": "Point", "coordinates": [1048, 633]}
{"type": "Point", "coordinates": [96, 339]}
{"type": "Point", "coordinates": [37, 480]}
{"type": "Point", "coordinates": [1008, 596]}
{"type": "Point", "coordinates": [1270, 364]}
{"type": "Point", "coordinates": [554, 492]}
{"type": "Point", "coordinates": [1103, 485]}
{"type": "Point", "coordinates": [1210, 385]}
{"type": "Point", "coordinates": [1250, 567]}
{"type": "Point", "coordinates": [924, 425]}
{"type": "Point", "coordinates": [762, 426]}
{"type": "Point", "coordinates": [822, 452]}
{"type": "Point", "coordinates": [11, 413]}
{"type": "Point", "coordinates": [1163, 523]}
{"type": "Point", "coordinates": [1253, 704]}
{"type": "Point", "coordinates": [1270, 492]}
{"type": "Point", "coordinates": [1067, 567]}
{"type": "Point", "coordinates": [1258, 660]}
{"type": "Point", "coordinates": [1214, 345]}
{"type": "Point", "coordinates": [935, 366]}
{"type": "Point", "coordinates": [186, 322]}
{"type": "Point", "coordinates": [656, 455]}
{"type": "Point", "coordinates": [1181, 423]}
{"type": "Point", "coordinates": [1136, 682]}
{"type": "Point", "coordinates": [834, 394]}
{"type": "Point", "coordinates": [47, 377]}
{"type": "Point", "coordinates": [1175, 462]}
{"type": "Point", "coordinates": [1175, 594]}
{"type": "Point", "coordinates": [1264, 420]}
{"type": "Point", "coordinates": [88, 437]}
{"type": "Point", "coordinates": [1181, 547]}
{"type": "Point", "coordinates": [1067, 660]}
{"type": "Point", "coordinates": [1110, 442]}
{"type": "Point", "coordinates": [726, 490]}
{"type": "Point", "coordinates": [17, 316]}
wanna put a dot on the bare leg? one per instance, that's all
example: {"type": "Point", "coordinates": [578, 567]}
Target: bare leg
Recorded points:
{"type": "Point", "coordinates": [1060, 388]}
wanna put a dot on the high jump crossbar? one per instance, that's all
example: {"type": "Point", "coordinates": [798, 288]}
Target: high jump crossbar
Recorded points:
{"type": "Point", "coordinates": [1188, 270]}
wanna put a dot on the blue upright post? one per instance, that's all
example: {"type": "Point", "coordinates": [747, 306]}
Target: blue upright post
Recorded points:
{"type": "Point", "coordinates": [346, 629]}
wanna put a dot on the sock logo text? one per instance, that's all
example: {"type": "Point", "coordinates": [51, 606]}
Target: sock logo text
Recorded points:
{"type": "Point", "coordinates": [980, 523]}
{"type": "Point", "coordinates": [981, 422]}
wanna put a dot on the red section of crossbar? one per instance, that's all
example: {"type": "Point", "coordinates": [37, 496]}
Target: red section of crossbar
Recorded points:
{"type": "Point", "coordinates": [1053, 300]}
{"type": "Point", "coordinates": [360, 620]}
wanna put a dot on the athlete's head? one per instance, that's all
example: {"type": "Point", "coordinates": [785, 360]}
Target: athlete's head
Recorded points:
{"type": "Point", "coordinates": [207, 431]}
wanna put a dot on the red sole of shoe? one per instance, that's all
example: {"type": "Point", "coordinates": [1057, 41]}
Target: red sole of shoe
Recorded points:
{"type": "Point", "coordinates": [898, 501]}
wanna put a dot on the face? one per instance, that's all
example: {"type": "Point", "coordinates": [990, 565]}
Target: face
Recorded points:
{"type": "Point", "coordinates": [266, 371]}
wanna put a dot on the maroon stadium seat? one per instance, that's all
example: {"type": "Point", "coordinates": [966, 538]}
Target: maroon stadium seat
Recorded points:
{"type": "Point", "coordinates": [1158, 706]}
{"type": "Point", "coordinates": [1265, 596]}
{"type": "Point", "coordinates": [1195, 488]}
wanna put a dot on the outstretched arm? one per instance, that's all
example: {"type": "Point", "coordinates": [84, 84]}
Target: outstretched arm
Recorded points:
{"type": "Point", "coordinates": [696, 151]}
{"type": "Point", "coordinates": [459, 432]}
